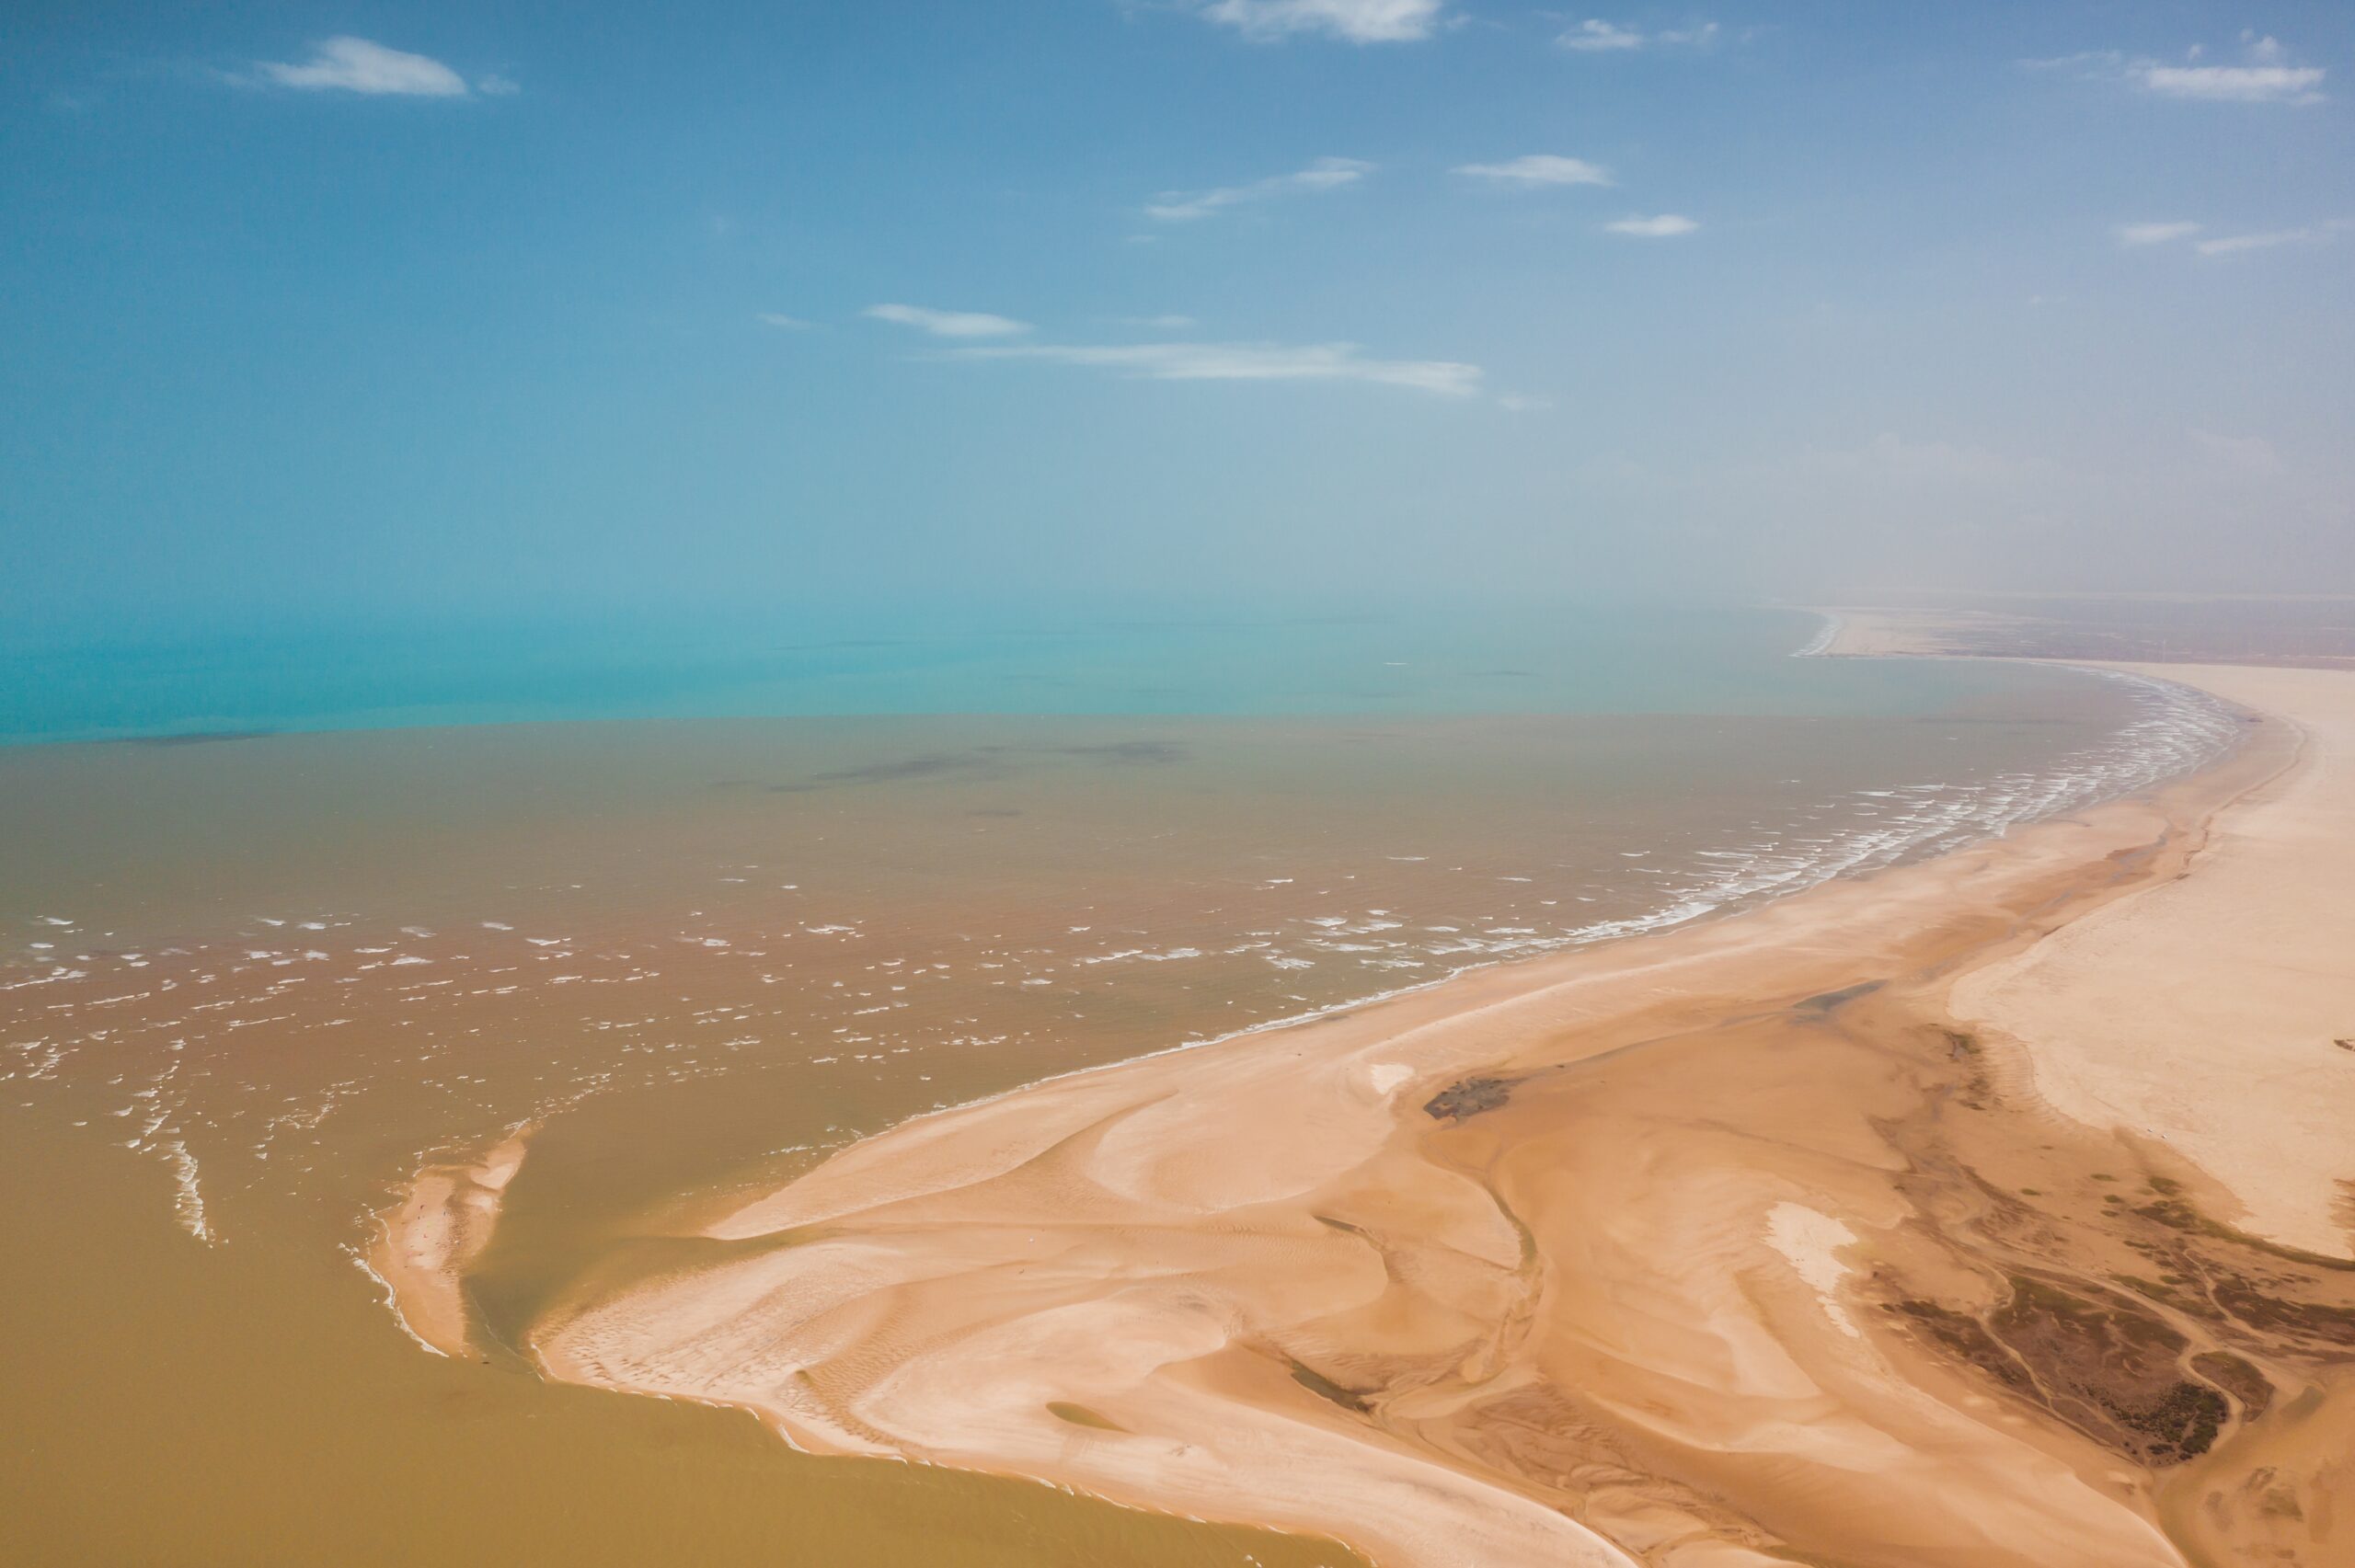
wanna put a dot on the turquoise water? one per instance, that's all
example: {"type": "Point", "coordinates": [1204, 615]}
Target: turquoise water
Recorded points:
{"type": "Point", "coordinates": [1519, 660]}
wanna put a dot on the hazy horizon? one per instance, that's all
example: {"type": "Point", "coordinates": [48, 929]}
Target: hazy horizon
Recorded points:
{"type": "Point", "coordinates": [1277, 302]}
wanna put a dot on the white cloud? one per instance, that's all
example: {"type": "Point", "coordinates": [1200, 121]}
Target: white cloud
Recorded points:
{"type": "Point", "coordinates": [1595, 36]}
{"type": "Point", "coordinates": [1538, 169]}
{"type": "Point", "coordinates": [2154, 233]}
{"type": "Point", "coordinates": [1160, 323]}
{"type": "Point", "coordinates": [2264, 75]}
{"type": "Point", "coordinates": [496, 86]}
{"type": "Point", "coordinates": [1248, 362]}
{"type": "Point", "coordinates": [2233, 244]}
{"type": "Point", "coordinates": [1667, 225]}
{"type": "Point", "coordinates": [1325, 174]}
{"type": "Point", "coordinates": [2234, 84]}
{"type": "Point", "coordinates": [357, 65]}
{"type": "Point", "coordinates": [782, 322]}
{"type": "Point", "coordinates": [948, 323]}
{"type": "Point", "coordinates": [1357, 21]}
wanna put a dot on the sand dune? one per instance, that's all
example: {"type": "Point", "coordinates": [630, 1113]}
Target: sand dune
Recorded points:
{"type": "Point", "coordinates": [1894, 1223]}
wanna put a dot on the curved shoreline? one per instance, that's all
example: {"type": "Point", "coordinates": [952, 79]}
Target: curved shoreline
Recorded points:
{"type": "Point", "coordinates": [1240, 1284]}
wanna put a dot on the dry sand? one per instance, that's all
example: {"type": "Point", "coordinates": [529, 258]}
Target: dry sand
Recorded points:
{"type": "Point", "coordinates": [2203, 1012]}
{"type": "Point", "coordinates": [1932, 1218]}
{"type": "Point", "coordinates": [1861, 632]}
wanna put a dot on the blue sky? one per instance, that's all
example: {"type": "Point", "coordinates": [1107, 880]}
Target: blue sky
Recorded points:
{"type": "Point", "coordinates": [352, 308]}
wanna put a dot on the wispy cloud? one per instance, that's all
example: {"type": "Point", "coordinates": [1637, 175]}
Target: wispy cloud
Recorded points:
{"type": "Point", "coordinates": [948, 323]}
{"type": "Point", "coordinates": [2271, 240]}
{"type": "Point", "coordinates": [1595, 36]}
{"type": "Point", "coordinates": [1355, 21]}
{"type": "Point", "coordinates": [2264, 75]}
{"type": "Point", "coordinates": [2154, 233]}
{"type": "Point", "coordinates": [1246, 361]}
{"type": "Point", "coordinates": [1535, 169]}
{"type": "Point", "coordinates": [2232, 245]}
{"type": "Point", "coordinates": [782, 322]}
{"type": "Point", "coordinates": [1666, 225]}
{"type": "Point", "coordinates": [1325, 174]}
{"type": "Point", "coordinates": [359, 65]}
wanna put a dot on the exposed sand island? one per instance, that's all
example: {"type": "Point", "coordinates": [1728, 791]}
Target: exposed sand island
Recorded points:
{"type": "Point", "coordinates": [1988, 1211]}
{"type": "Point", "coordinates": [425, 1246]}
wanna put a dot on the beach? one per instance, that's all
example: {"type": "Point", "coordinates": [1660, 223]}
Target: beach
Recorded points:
{"type": "Point", "coordinates": [1970, 1211]}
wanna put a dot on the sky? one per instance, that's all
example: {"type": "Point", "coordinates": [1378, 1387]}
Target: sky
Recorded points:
{"type": "Point", "coordinates": [358, 309]}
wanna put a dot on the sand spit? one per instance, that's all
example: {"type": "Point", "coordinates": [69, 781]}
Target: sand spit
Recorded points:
{"type": "Point", "coordinates": [1839, 1229]}
{"type": "Point", "coordinates": [2202, 1013]}
{"type": "Point", "coordinates": [425, 1245]}
{"type": "Point", "coordinates": [1853, 633]}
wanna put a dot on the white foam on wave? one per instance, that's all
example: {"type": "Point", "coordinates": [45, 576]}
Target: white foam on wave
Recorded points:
{"type": "Point", "coordinates": [188, 1196]}
{"type": "Point", "coordinates": [1821, 644]}
{"type": "Point", "coordinates": [392, 1299]}
{"type": "Point", "coordinates": [2172, 730]}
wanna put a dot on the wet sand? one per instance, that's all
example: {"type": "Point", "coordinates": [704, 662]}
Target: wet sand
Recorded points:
{"type": "Point", "coordinates": [1834, 1227]}
{"type": "Point", "coordinates": [443, 1222]}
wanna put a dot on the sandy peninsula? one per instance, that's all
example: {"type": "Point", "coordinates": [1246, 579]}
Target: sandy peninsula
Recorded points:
{"type": "Point", "coordinates": [424, 1246]}
{"type": "Point", "coordinates": [1988, 1211]}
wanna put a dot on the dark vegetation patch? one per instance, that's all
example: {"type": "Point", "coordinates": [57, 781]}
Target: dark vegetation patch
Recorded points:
{"type": "Point", "coordinates": [1966, 1338]}
{"type": "Point", "coordinates": [1964, 1048]}
{"type": "Point", "coordinates": [1323, 1386]}
{"type": "Point", "coordinates": [2236, 1377]}
{"type": "Point", "coordinates": [2110, 1367]}
{"type": "Point", "coordinates": [1080, 1415]}
{"type": "Point", "coordinates": [1826, 1001]}
{"type": "Point", "coordinates": [1469, 1097]}
{"type": "Point", "coordinates": [2107, 1367]}
{"type": "Point", "coordinates": [2168, 1290]}
{"type": "Point", "coordinates": [2319, 1324]}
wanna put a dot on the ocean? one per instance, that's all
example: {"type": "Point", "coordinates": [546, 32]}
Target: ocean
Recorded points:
{"type": "Point", "coordinates": [83, 683]}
